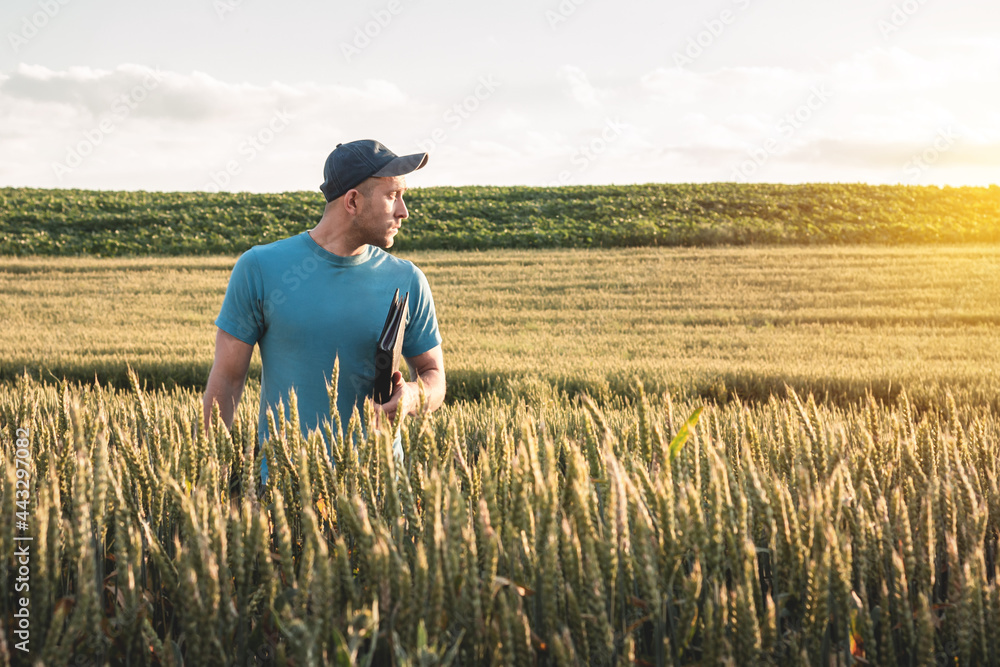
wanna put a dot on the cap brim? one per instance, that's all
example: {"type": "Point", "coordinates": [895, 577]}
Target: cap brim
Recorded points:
{"type": "Point", "coordinates": [403, 164]}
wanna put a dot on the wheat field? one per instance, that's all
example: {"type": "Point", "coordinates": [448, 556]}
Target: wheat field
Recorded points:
{"type": "Point", "coordinates": [541, 530]}
{"type": "Point", "coordinates": [839, 322]}
{"type": "Point", "coordinates": [680, 456]}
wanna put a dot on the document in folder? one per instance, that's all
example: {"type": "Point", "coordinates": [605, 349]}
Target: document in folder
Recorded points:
{"type": "Point", "coordinates": [390, 346]}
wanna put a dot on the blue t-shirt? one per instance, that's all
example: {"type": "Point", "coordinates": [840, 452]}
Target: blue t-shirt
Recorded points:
{"type": "Point", "coordinates": [306, 306]}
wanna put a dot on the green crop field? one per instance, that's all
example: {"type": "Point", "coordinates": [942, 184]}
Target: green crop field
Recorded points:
{"type": "Point", "coordinates": [85, 222]}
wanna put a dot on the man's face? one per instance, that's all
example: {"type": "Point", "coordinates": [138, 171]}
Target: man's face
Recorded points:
{"type": "Point", "coordinates": [381, 212]}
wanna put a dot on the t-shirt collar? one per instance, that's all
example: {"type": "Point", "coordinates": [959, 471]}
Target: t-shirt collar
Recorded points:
{"type": "Point", "coordinates": [337, 260]}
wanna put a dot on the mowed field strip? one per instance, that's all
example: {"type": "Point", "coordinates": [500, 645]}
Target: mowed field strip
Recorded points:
{"type": "Point", "coordinates": [835, 320]}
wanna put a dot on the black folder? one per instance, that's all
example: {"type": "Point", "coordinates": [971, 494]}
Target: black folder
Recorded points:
{"type": "Point", "coordinates": [390, 346]}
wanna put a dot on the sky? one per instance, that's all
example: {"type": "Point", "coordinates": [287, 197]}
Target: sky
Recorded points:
{"type": "Point", "coordinates": [252, 95]}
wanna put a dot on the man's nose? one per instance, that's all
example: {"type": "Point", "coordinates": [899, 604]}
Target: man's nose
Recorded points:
{"type": "Point", "coordinates": [401, 205]}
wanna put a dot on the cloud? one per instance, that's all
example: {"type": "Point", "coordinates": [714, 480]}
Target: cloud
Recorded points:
{"type": "Point", "coordinates": [860, 118]}
{"type": "Point", "coordinates": [136, 127]}
{"type": "Point", "coordinates": [871, 112]}
{"type": "Point", "coordinates": [192, 97]}
{"type": "Point", "coordinates": [580, 89]}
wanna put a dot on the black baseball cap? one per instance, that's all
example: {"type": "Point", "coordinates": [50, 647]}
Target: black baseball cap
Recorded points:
{"type": "Point", "coordinates": [351, 163]}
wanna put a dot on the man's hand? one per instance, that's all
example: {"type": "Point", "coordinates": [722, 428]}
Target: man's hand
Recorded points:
{"type": "Point", "coordinates": [405, 396]}
{"type": "Point", "coordinates": [429, 367]}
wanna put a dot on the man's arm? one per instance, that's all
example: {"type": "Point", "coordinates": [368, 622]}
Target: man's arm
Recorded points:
{"type": "Point", "coordinates": [429, 367]}
{"type": "Point", "coordinates": [227, 377]}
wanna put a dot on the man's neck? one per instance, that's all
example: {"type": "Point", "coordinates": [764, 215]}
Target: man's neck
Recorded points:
{"type": "Point", "coordinates": [327, 238]}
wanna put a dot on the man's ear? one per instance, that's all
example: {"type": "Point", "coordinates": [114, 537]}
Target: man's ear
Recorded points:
{"type": "Point", "coordinates": [352, 203]}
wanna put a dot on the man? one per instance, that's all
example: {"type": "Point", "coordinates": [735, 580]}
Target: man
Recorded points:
{"type": "Point", "coordinates": [322, 295]}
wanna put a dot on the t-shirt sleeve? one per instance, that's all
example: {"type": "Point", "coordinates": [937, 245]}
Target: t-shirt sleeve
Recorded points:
{"type": "Point", "coordinates": [422, 328]}
{"type": "Point", "coordinates": [242, 313]}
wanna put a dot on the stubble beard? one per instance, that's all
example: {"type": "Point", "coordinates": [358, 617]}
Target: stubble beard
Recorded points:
{"type": "Point", "coordinates": [370, 231]}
